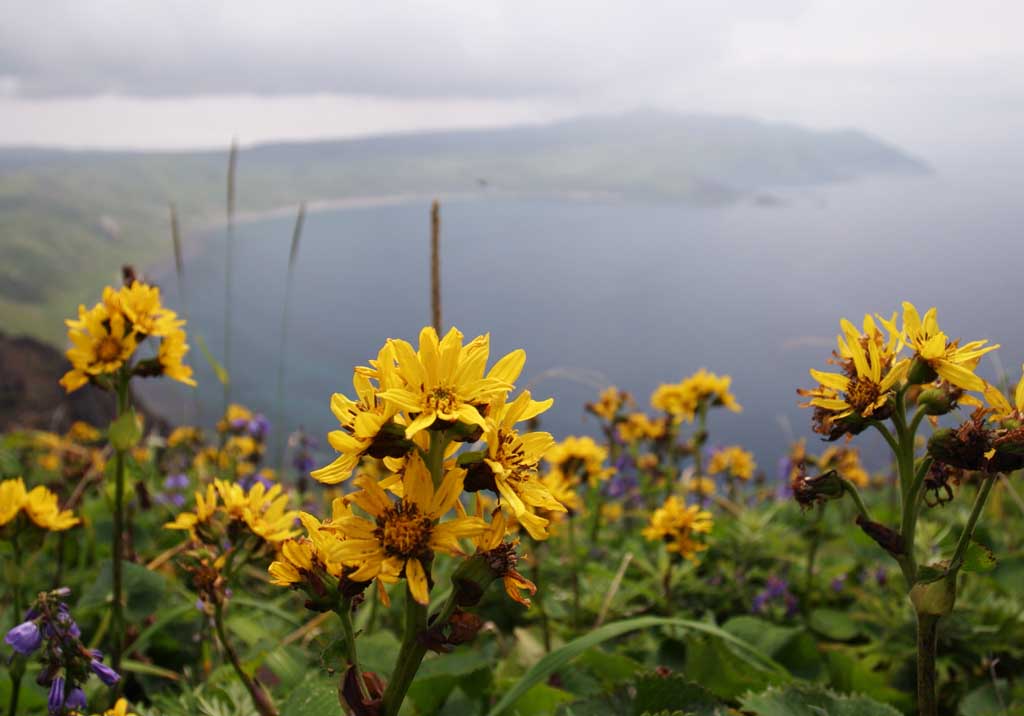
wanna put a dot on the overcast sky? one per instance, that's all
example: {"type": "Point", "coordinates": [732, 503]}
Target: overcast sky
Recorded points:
{"type": "Point", "coordinates": [927, 74]}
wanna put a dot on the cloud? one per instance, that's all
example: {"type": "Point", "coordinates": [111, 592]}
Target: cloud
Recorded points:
{"type": "Point", "coordinates": [512, 48]}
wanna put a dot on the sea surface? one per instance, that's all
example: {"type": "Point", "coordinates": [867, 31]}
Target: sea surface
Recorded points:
{"type": "Point", "coordinates": [614, 293]}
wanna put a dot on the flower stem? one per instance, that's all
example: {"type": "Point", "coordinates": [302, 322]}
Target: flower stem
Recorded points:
{"type": "Point", "coordinates": [344, 612]}
{"type": "Point", "coordinates": [16, 670]}
{"type": "Point", "coordinates": [261, 700]}
{"type": "Point", "coordinates": [927, 635]}
{"type": "Point", "coordinates": [965, 537]}
{"type": "Point", "coordinates": [409, 657]}
{"type": "Point", "coordinates": [574, 566]}
{"type": "Point", "coordinates": [117, 610]}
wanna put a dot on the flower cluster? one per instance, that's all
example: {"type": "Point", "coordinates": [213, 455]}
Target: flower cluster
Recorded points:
{"type": "Point", "coordinates": [105, 339]}
{"type": "Point", "coordinates": [67, 663]}
{"type": "Point", "coordinates": [39, 506]}
{"type": "Point", "coordinates": [732, 461]}
{"type": "Point", "coordinates": [874, 368]}
{"type": "Point", "coordinates": [686, 399]}
{"type": "Point", "coordinates": [680, 527]}
{"type": "Point", "coordinates": [229, 511]}
{"type": "Point", "coordinates": [414, 408]}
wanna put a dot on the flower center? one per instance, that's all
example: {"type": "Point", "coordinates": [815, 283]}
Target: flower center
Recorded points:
{"type": "Point", "coordinates": [512, 455]}
{"type": "Point", "coordinates": [442, 400]}
{"type": "Point", "coordinates": [404, 530]}
{"type": "Point", "coordinates": [862, 393]}
{"type": "Point", "coordinates": [109, 349]}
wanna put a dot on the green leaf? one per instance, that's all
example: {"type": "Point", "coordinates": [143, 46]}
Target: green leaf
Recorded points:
{"type": "Point", "coordinates": [978, 558]}
{"type": "Point", "coordinates": [834, 624]}
{"type": "Point", "coordinates": [719, 669]}
{"type": "Point", "coordinates": [539, 700]}
{"type": "Point", "coordinates": [796, 700]}
{"type": "Point", "coordinates": [760, 633]}
{"type": "Point", "coordinates": [655, 694]}
{"type": "Point", "coordinates": [144, 590]}
{"type": "Point", "coordinates": [124, 432]}
{"type": "Point", "coordinates": [315, 696]}
{"type": "Point", "coordinates": [138, 667]}
{"type": "Point", "coordinates": [928, 573]}
{"type": "Point", "coordinates": [563, 655]}
{"type": "Point", "coordinates": [218, 369]}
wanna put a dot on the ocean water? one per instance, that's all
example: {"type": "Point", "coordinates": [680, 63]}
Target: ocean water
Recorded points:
{"type": "Point", "coordinates": [604, 292]}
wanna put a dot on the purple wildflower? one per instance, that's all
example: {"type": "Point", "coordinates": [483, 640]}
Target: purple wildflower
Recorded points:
{"type": "Point", "coordinates": [55, 702]}
{"type": "Point", "coordinates": [838, 583]}
{"type": "Point", "coordinates": [75, 700]}
{"type": "Point", "coordinates": [176, 482]}
{"type": "Point", "coordinates": [24, 638]}
{"type": "Point", "coordinates": [107, 675]}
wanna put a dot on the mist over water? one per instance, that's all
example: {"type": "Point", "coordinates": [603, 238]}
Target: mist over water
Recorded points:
{"type": "Point", "coordinates": [629, 294]}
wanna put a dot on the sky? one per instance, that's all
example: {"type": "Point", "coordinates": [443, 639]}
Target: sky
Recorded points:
{"type": "Point", "coordinates": [929, 75]}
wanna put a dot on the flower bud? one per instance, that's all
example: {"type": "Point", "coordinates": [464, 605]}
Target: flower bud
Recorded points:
{"type": "Point", "coordinates": [818, 489]}
{"type": "Point", "coordinates": [964, 447]}
{"type": "Point", "coordinates": [935, 401]}
{"type": "Point", "coordinates": [390, 441]}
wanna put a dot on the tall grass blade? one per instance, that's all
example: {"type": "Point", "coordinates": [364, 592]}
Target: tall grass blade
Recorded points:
{"type": "Point", "coordinates": [228, 251]}
{"type": "Point", "coordinates": [218, 369]}
{"type": "Point", "coordinates": [179, 271]}
{"type": "Point", "coordinates": [282, 353]}
{"type": "Point", "coordinates": [435, 264]}
{"type": "Point", "coordinates": [558, 658]}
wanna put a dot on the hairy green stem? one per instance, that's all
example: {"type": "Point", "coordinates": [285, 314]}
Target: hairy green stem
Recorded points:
{"type": "Point", "coordinates": [344, 612]}
{"type": "Point", "coordinates": [927, 646]}
{"type": "Point", "coordinates": [117, 608]}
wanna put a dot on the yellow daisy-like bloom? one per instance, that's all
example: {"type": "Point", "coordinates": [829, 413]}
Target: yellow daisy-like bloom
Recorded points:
{"type": "Point", "coordinates": [637, 426]}
{"type": "Point", "coordinates": [682, 400]}
{"type": "Point", "coordinates": [264, 511]}
{"type": "Point", "coordinates": [845, 461]}
{"type": "Point", "coordinates": [610, 402]}
{"type": "Point", "coordinates": [82, 432]}
{"type": "Point", "coordinates": [42, 508]}
{"type": "Point", "coordinates": [445, 381]}
{"type": "Point", "coordinates": [140, 303]}
{"type": "Point", "coordinates": [575, 454]}
{"type": "Point", "coordinates": [502, 555]}
{"type": "Point", "coordinates": [1000, 406]}
{"type": "Point", "coordinates": [404, 534]}
{"type": "Point", "coordinates": [171, 354]}
{"type": "Point", "coordinates": [513, 458]}
{"type": "Point", "coordinates": [702, 486]}
{"type": "Point", "coordinates": [294, 557]}
{"type": "Point", "coordinates": [679, 527]}
{"type": "Point", "coordinates": [12, 499]}
{"type": "Point", "coordinates": [866, 390]}
{"type": "Point", "coordinates": [206, 506]}
{"type": "Point", "coordinates": [184, 435]}
{"type": "Point", "coordinates": [733, 460]}
{"type": "Point", "coordinates": [674, 399]}
{"type": "Point", "coordinates": [102, 341]}
{"type": "Point", "coordinates": [563, 490]}
{"type": "Point", "coordinates": [951, 361]}
{"type": "Point", "coordinates": [120, 708]}
{"type": "Point", "coordinates": [235, 415]}
{"type": "Point", "coordinates": [361, 419]}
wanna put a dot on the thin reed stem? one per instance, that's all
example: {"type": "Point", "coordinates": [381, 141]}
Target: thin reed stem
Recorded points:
{"type": "Point", "coordinates": [435, 264]}
{"type": "Point", "coordinates": [282, 411]}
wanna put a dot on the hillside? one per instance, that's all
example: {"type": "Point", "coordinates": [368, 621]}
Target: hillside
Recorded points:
{"type": "Point", "coordinates": [69, 219]}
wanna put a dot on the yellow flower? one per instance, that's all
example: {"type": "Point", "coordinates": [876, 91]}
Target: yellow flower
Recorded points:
{"type": "Point", "coordinates": [82, 432]}
{"type": "Point", "coordinates": [361, 419]}
{"type": "Point", "coordinates": [263, 511]}
{"type": "Point", "coordinates": [184, 435]}
{"type": "Point", "coordinates": [564, 491]}
{"type": "Point", "coordinates": [702, 486]}
{"type": "Point", "coordinates": [102, 342]}
{"type": "Point", "coordinates": [734, 460]}
{"type": "Point", "coordinates": [120, 709]}
{"type": "Point", "coordinates": [580, 455]}
{"type": "Point", "coordinates": [501, 555]}
{"type": "Point", "coordinates": [952, 362]}
{"type": "Point", "coordinates": [12, 499]}
{"type": "Point", "coordinates": [404, 535]}
{"type": "Point", "coordinates": [42, 508]}
{"type": "Point", "coordinates": [513, 457]}
{"type": "Point", "coordinates": [206, 506]}
{"type": "Point", "coordinates": [679, 527]}
{"type": "Point", "coordinates": [609, 403]}
{"type": "Point", "coordinates": [682, 400]}
{"type": "Point", "coordinates": [295, 555]}
{"type": "Point", "coordinates": [140, 303]}
{"type": "Point", "coordinates": [1000, 406]}
{"type": "Point", "coordinates": [170, 355]}
{"type": "Point", "coordinates": [235, 415]}
{"type": "Point", "coordinates": [611, 512]}
{"type": "Point", "coordinates": [637, 426]}
{"type": "Point", "coordinates": [445, 381]}
{"type": "Point", "coordinates": [863, 392]}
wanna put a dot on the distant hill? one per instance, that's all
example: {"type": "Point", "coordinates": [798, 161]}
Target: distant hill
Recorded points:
{"type": "Point", "coordinates": [68, 219]}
